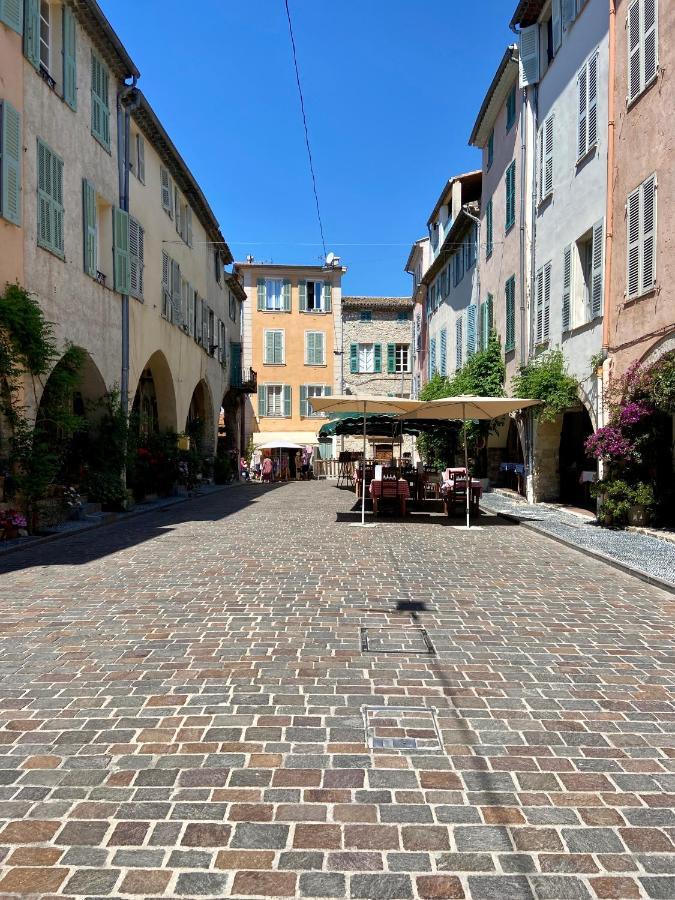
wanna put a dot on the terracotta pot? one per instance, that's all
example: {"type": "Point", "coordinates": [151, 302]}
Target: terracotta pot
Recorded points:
{"type": "Point", "coordinates": [638, 515]}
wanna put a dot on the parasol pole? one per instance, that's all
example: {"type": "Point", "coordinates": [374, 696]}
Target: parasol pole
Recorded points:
{"type": "Point", "coordinates": [466, 466]}
{"type": "Point", "coordinates": [363, 469]}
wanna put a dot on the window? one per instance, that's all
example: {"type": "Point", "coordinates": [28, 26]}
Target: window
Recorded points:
{"type": "Point", "coordinates": [486, 321]}
{"type": "Point", "coordinates": [546, 160]}
{"type": "Point", "coordinates": [443, 351]}
{"type": "Point", "coordinates": [365, 358]}
{"type": "Point", "coordinates": [458, 267]}
{"type": "Point", "coordinates": [543, 304]}
{"type": "Point", "coordinates": [315, 348]}
{"type": "Point", "coordinates": [100, 113]}
{"type": "Point", "coordinates": [366, 315]}
{"type": "Point", "coordinates": [307, 391]}
{"type": "Point", "coordinates": [510, 304]}
{"type": "Point", "coordinates": [274, 400]}
{"type": "Point", "coordinates": [403, 316]}
{"type": "Point", "coordinates": [584, 248]}
{"type": "Point", "coordinates": [274, 347]}
{"type": "Point", "coordinates": [138, 166]}
{"type": "Point", "coordinates": [69, 34]}
{"type": "Point", "coordinates": [587, 91]}
{"type": "Point", "coordinates": [398, 358]}
{"type": "Point", "coordinates": [232, 307]}
{"type": "Point", "coordinates": [136, 251]}
{"type": "Point", "coordinates": [191, 305]}
{"type": "Point", "coordinates": [643, 46]}
{"type": "Point", "coordinates": [222, 343]}
{"type": "Point", "coordinates": [470, 244]}
{"type": "Point", "coordinates": [458, 342]}
{"type": "Point", "coordinates": [50, 199]}
{"type": "Point", "coordinates": [510, 196]}
{"type": "Point", "coordinates": [641, 215]}
{"type": "Point", "coordinates": [432, 357]}
{"type": "Point", "coordinates": [212, 333]}
{"type": "Point", "coordinates": [274, 294]}
{"type": "Point", "coordinates": [511, 108]}
{"type": "Point", "coordinates": [315, 296]}
{"type": "Point", "coordinates": [183, 214]}
{"type": "Point", "coordinates": [488, 229]}
{"type": "Point", "coordinates": [470, 330]}
{"type": "Point", "coordinates": [11, 144]}
{"type": "Point", "coordinates": [167, 192]}
{"type": "Point", "coordinates": [217, 266]}
{"type": "Point", "coordinates": [45, 25]}
{"type": "Point", "coordinates": [490, 150]}
{"type": "Point", "coordinates": [166, 287]}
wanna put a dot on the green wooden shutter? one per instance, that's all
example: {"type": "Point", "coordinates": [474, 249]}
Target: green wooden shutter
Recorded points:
{"type": "Point", "coordinates": [287, 400]}
{"type": "Point", "coordinates": [443, 351]}
{"type": "Point", "coordinates": [57, 203]}
{"type": "Point", "coordinates": [510, 297]}
{"type": "Point", "coordinates": [287, 295]}
{"type": "Point", "coordinates": [89, 227]}
{"type": "Point", "coordinates": [69, 58]}
{"type": "Point", "coordinates": [391, 358]}
{"type": "Point", "coordinates": [268, 357]}
{"type": "Point", "coordinates": [377, 348]}
{"type": "Point", "coordinates": [458, 344]}
{"type": "Point", "coordinates": [121, 259]}
{"type": "Point", "coordinates": [262, 398]}
{"type": "Point", "coordinates": [136, 259]}
{"type": "Point", "coordinates": [11, 13]}
{"type": "Point", "coordinates": [597, 280]}
{"type": "Point", "coordinates": [166, 190]}
{"type": "Point", "coordinates": [488, 228]}
{"type": "Point", "coordinates": [354, 358]}
{"type": "Point", "coordinates": [302, 294]}
{"type": "Point", "coordinates": [327, 296]}
{"type": "Point", "coordinates": [261, 293]}
{"type": "Point", "coordinates": [309, 348]}
{"type": "Point", "coordinates": [100, 114]}
{"type": "Point", "coordinates": [10, 163]}
{"type": "Point", "coordinates": [279, 348]}
{"type": "Point", "coordinates": [44, 195]}
{"type": "Point", "coordinates": [489, 316]}
{"type": "Point", "coordinates": [471, 329]}
{"type": "Point", "coordinates": [567, 288]}
{"type": "Point", "coordinates": [31, 31]}
{"type": "Point", "coordinates": [304, 411]}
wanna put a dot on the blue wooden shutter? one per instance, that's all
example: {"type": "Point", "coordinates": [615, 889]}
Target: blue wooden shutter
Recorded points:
{"type": "Point", "coordinates": [304, 410]}
{"type": "Point", "coordinates": [471, 330]}
{"type": "Point", "coordinates": [122, 262]}
{"type": "Point", "coordinates": [510, 339]}
{"type": "Point", "coordinates": [458, 343]}
{"type": "Point", "coordinates": [597, 280]}
{"type": "Point", "coordinates": [443, 352]}
{"type": "Point", "coordinates": [286, 293]}
{"type": "Point", "coordinates": [287, 400]}
{"type": "Point", "coordinates": [44, 195]}
{"type": "Point", "coordinates": [31, 31]}
{"type": "Point", "coordinates": [261, 293]}
{"type": "Point", "coordinates": [547, 301]}
{"type": "Point", "coordinates": [327, 297]}
{"type": "Point", "coordinates": [89, 227]}
{"type": "Point", "coordinates": [488, 229]}
{"type": "Point", "coordinates": [378, 357]}
{"type": "Point", "coordinates": [391, 358]}
{"type": "Point", "coordinates": [69, 57]}
{"type": "Point", "coordinates": [302, 296]}
{"type": "Point", "coordinates": [567, 288]}
{"type": "Point", "coordinates": [262, 400]}
{"type": "Point", "coordinates": [100, 113]}
{"type": "Point", "coordinates": [10, 163]}
{"type": "Point", "coordinates": [432, 357]}
{"type": "Point", "coordinates": [488, 315]}
{"type": "Point", "coordinates": [354, 358]}
{"type": "Point", "coordinates": [11, 13]}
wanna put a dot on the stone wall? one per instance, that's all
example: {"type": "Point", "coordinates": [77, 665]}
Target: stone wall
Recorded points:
{"type": "Point", "coordinates": [383, 329]}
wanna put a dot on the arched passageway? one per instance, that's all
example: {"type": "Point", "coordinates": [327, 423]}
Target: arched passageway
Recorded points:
{"type": "Point", "coordinates": [154, 406]}
{"type": "Point", "coordinates": [577, 469]}
{"type": "Point", "coordinates": [200, 424]}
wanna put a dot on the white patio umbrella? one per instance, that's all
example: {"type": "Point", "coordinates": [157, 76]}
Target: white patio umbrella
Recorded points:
{"type": "Point", "coordinates": [466, 408]}
{"type": "Point", "coordinates": [363, 404]}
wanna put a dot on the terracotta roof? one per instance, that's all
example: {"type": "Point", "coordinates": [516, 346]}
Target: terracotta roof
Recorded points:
{"type": "Point", "coordinates": [527, 13]}
{"type": "Point", "coordinates": [506, 72]}
{"type": "Point", "coordinates": [377, 302]}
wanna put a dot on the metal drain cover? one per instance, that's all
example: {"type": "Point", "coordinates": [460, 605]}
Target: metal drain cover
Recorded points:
{"type": "Point", "coordinates": [396, 639]}
{"type": "Point", "coordinates": [401, 728]}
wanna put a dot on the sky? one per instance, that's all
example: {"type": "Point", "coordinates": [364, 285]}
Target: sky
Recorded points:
{"type": "Point", "coordinates": [391, 87]}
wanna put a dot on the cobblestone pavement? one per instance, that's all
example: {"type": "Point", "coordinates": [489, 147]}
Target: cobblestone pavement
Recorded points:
{"type": "Point", "coordinates": [181, 710]}
{"type": "Point", "coordinates": [652, 555]}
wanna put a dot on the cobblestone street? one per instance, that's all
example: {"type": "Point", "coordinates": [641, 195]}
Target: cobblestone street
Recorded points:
{"type": "Point", "coordinates": [182, 710]}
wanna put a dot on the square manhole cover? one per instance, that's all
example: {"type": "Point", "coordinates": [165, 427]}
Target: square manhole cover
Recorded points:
{"type": "Point", "coordinates": [401, 728]}
{"type": "Point", "coordinates": [395, 639]}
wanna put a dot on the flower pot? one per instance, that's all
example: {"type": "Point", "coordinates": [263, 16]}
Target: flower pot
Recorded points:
{"type": "Point", "coordinates": [638, 515]}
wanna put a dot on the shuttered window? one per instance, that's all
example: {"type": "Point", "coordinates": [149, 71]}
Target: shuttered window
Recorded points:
{"type": "Point", "coordinates": [121, 258]}
{"type": "Point", "coordinates": [490, 150]}
{"type": "Point", "coordinates": [432, 357]}
{"type": "Point", "coordinates": [458, 343]}
{"type": "Point", "coordinates": [587, 92]}
{"type": "Point", "coordinates": [89, 228]}
{"type": "Point", "coordinates": [470, 330]}
{"type": "Point", "coordinates": [529, 55]}
{"type": "Point", "coordinates": [274, 347]}
{"type": "Point", "coordinates": [69, 37]}
{"type": "Point", "coordinates": [315, 348]}
{"type": "Point", "coordinates": [274, 400]}
{"type": "Point", "coordinates": [443, 352]}
{"type": "Point", "coordinates": [488, 229]}
{"type": "Point", "coordinates": [136, 263]}
{"type": "Point", "coordinates": [510, 307]}
{"type": "Point", "coordinates": [511, 109]}
{"type": "Point", "coordinates": [643, 46]}
{"type": "Point", "coordinates": [10, 163]}
{"type": "Point", "coordinates": [486, 321]}
{"type": "Point", "coordinates": [597, 273]}
{"type": "Point", "coordinates": [546, 159]}
{"type": "Point", "coordinates": [11, 13]}
{"type": "Point", "coordinates": [543, 304]}
{"type": "Point", "coordinates": [641, 227]}
{"type": "Point", "coordinates": [166, 286]}
{"type": "Point", "coordinates": [566, 316]}
{"type": "Point", "coordinates": [140, 158]}
{"type": "Point", "coordinates": [100, 113]}
{"type": "Point", "coordinates": [167, 193]}
{"type": "Point", "coordinates": [50, 199]}
{"type": "Point", "coordinates": [510, 196]}
{"type": "Point", "coordinates": [31, 31]}
{"type": "Point", "coordinates": [307, 391]}
{"type": "Point", "coordinates": [177, 297]}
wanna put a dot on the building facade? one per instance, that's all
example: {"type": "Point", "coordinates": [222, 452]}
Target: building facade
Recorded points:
{"type": "Point", "coordinates": [119, 267]}
{"type": "Point", "coordinates": [377, 345]}
{"type": "Point", "coordinates": [11, 117]}
{"type": "Point", "coordinates": [292, 339]}
{"type": "Point", "coordinates": [416, 266]}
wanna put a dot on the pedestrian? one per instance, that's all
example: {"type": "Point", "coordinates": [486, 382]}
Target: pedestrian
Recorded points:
{"type": "Point", "coordinates": [243, 468]}
{"type": "Point", "coordinates": [298, 464]}
{"type": "Point", "coordinates": [267, 469]}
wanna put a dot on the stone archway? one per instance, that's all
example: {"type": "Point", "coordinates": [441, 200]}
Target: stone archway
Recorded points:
{"type": "Point", "coordinates": [154, 404]}
{"type": "Point", "coordinates": [560, 458]}
{"type": "Point", "coordinates": [199, 423]}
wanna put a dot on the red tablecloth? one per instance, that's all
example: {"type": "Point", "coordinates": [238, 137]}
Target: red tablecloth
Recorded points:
{"type": "Point", "coordinates": [399, 488]}
{"type": "Point", "coordinates": [476, 488]}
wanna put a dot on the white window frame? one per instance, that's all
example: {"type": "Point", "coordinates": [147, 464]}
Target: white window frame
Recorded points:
{"type": "Point", "coordinates": [363, 353]}
{"type": "Point", "coordinates": [322, 296]}
{"type": "Point", "coordinates": [323, 347]}
{"type": "Point", "coordinates": [587, 106]}
{"type": "Point", "coordinates": [274, 331]}
{"type": "Point", "coordinates": [277, 413]}
{"type": "Point", "coordinates": [274, 303]}
{"type": "Point", "coordinates": [637, 47]}
{"type": "Point", "coordinates": [403, 358]}
{"type": "Point", "coordinates": [46, 45]}
{"type": "Point", "coordinates": [311, 413]}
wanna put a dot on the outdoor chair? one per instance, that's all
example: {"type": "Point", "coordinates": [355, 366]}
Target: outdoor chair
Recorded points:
{"type": "Point", "coordinates": [393, 492]}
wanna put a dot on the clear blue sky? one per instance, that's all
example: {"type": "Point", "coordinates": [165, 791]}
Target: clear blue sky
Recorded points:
{"type": "Point", "coordinates": [392, 89]}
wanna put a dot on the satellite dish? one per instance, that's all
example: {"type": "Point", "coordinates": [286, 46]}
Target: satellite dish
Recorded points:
{"type": "Point", "coordinates": [330, 259]}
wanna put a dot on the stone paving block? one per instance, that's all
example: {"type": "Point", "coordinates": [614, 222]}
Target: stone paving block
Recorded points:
{"type": "Point", "coordinates": [380, 887]}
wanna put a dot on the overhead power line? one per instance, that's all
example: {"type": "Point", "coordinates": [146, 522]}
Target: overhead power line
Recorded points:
{"type": "Point", "coordinates": [304, 122]}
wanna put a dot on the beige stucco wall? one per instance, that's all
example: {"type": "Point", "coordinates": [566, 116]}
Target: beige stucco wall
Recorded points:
{"type": "Point", "coordinates": [645, 144]}
{"type": "Point", "coordinates": [294, 371]}
{"type": "Point", "coordinates": [11, 89]}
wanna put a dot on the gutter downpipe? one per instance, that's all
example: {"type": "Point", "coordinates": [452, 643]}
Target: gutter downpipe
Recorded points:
{"type": "Point", "coordinates": [476, 220]}
{"type": "Point", "coordinates": [609, 214]}
{"type": "Point", "coordinates": [126, 100]}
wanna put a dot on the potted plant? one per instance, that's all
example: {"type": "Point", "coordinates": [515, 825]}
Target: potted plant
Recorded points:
{"type": "Point", "coordinates": [12, 524]}
{"type": "Point", "coordinates": [642, 500]}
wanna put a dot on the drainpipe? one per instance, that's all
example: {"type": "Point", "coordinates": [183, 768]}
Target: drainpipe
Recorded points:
{"type": "Point", "coordinates": [127, 99]}
{"type": "Point", "coordinates": [609, 215]}
{"type": "Point", "coordinates": [476, 220]}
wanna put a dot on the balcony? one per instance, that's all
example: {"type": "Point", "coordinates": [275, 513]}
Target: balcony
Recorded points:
{"type": "Point", "coordinates": [245, 380]}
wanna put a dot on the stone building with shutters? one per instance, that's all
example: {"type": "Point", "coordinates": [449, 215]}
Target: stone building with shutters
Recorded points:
{"type": "Point", "coordinates": [564, 57]}
{"type": "Point", "coordinates": [640, 309]}
{"type": "Point", "coordinates": [292, 340]}
{"type": "Point", "coordinates": [132, 276]}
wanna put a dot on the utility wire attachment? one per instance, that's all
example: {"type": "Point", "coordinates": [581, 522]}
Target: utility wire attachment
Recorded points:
{"type": "Point", "coordinates": [304, 121]}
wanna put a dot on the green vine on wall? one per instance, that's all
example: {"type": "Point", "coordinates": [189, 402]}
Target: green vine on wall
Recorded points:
{"type": "Point", "coordinates": [546, 378]}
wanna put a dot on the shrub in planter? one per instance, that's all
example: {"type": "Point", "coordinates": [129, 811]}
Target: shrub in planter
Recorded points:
{"type": "Point", "coordinates": [620, 503]}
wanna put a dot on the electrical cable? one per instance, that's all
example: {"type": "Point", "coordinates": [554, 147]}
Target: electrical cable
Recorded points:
{"type": "Point", "coordinates": [304, 121]}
